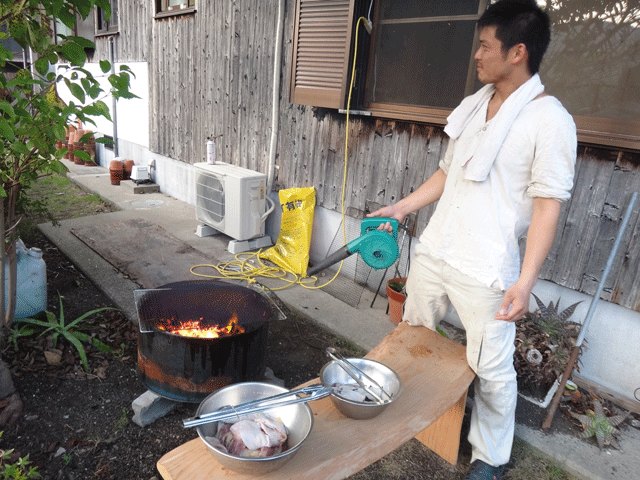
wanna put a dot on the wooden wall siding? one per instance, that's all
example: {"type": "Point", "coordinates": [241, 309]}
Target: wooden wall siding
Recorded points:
{"type": "Point", "coordinates": [211, 75]}
{"type": "Point", "coordinates": [590, 223]}
{"type": "Point", "coordinates": [133, 41]}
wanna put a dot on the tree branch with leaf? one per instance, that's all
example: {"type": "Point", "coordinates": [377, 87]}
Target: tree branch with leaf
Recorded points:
{"type": "Point", "coordinates": [33, 118]}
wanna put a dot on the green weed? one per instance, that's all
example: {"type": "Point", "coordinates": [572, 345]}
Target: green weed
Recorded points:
{"type": "Point", "coordinates": [71, 332]}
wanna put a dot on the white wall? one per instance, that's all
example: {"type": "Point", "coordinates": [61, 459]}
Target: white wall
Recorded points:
{"type": "Point", "coordinates": [132, 114]}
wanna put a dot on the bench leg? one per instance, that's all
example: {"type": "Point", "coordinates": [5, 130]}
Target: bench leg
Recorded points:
{"type": "Point", "coordinates": [443, 435]}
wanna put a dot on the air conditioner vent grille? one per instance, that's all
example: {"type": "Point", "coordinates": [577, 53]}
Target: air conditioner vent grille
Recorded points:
{"type": "Point", "coordinates": [210, 197]}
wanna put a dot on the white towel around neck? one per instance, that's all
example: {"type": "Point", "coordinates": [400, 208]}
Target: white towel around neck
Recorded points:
{"type": "Point", "coordinates": [479, 166]}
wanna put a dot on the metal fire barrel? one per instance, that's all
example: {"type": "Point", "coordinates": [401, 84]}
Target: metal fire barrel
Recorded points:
{"type": "Point", "coordinates": [188, 369]}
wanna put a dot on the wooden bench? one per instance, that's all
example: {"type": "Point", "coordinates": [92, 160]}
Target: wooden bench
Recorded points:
{"type": "Point", "coordinates": [435, 377]}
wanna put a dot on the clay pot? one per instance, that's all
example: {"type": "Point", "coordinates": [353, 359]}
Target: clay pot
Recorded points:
{"type": "Point", "coordinates": [128, 166]}
{"type": "Point", "coordinates": [396, 301]}
{"type": "Point", "coordinates": [116, 170]}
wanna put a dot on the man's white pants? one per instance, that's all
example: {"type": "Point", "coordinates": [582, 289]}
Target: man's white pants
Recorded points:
{"type": "Point", "coordinates": [431, 286]}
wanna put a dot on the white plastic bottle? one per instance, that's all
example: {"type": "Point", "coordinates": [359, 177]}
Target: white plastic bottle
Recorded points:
{"type": "Point", "coordinates": [211, 151]}
{"type": "Point", "coordinates": [31, 282]}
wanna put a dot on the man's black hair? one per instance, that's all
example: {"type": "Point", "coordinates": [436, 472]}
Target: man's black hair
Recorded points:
{"type": "Point", "coordinates": [520, 21]}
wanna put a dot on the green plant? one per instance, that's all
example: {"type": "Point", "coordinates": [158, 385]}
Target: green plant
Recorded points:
{"type": "Point", "coordinates": [19, 470]}
{"type": "Point", "coordinates": [23, 331]}
{"type": "Point", "coordinates": [71, 332]}
{"type": "Point", "coordinates": [67, 459]}
{"type": "Point", "coordinates": [597, 424]}
{"type": "Point", "coordinates": [34, 117]}
{"type": "Point", "coordinates": [397, 286]}
{"type": "Point", "coordinates": [544, 340]}
{"type": "Point", "coordinates": [122, 421]}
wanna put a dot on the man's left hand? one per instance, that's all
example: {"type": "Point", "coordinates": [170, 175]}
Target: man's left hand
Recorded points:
{"type": "Point", "coordinates": [515, 303]}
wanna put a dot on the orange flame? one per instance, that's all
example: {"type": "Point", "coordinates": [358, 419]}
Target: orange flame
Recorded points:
{"type": "Point", "coordinates": [196, 329]}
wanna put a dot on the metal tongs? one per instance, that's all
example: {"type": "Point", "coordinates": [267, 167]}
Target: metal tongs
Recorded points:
{"type": "Point", "coordinates": [356, 373]}
{"type": "Point", "coordinates": [313, 392]}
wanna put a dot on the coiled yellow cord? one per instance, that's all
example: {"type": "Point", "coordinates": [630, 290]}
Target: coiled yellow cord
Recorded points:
{"type": "Point", "coordinates": [248, 266]}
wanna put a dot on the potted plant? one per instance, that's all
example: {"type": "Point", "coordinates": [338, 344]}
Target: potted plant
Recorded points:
{"type": "Point", "coordinates": [544, 341]}
{"type": "Point", "coordinates": [396, 296]}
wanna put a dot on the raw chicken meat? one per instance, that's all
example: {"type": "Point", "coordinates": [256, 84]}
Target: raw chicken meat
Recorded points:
{"type": "Point", "coordinates": [253, 436]}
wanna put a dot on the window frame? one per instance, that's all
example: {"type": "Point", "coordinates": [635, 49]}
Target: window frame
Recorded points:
{"type": "Point", "coordinates": [427, 114]}
{"type": "Point", "coordinates": [162, 8]}
{"type": "Point", "coordinates": [111, 28]}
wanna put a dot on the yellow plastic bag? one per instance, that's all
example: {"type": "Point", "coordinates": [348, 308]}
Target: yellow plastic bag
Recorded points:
{"type": "Point", "coordinates": [291, 251]}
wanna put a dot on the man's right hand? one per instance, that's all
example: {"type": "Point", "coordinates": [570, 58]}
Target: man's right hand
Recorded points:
{"type": "Point", "coordinates": [390, 211]}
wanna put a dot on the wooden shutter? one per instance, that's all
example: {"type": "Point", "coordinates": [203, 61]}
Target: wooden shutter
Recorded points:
{"type": "Point", "coordinates": [322, 41]}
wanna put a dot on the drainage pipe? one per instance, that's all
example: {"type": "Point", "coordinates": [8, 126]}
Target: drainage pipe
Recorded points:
{"type": "Point", "coordinates": [275, 98]}
{"type": "Point", "coordinates": [114, 113]}
{"type": "Point", "coordinates": [594, 301]}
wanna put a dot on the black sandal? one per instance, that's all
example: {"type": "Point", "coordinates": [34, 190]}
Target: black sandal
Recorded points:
{"type": "Point", "coordinates": [480, 470]}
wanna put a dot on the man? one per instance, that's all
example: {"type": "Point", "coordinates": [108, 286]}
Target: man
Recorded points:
{"type": "Point", "coordinates": [509, 165]}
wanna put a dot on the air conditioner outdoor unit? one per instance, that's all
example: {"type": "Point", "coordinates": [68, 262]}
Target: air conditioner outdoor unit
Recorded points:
{"type": "Point", "coordinates": [232, 200]}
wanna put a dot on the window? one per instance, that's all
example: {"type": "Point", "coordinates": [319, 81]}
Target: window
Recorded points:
{"type": "Point", "coordinates": [421, 62]}
{"type": "Point", "coordinates": [104, 25]}
{"type": "Point", "coordinates": [174, 7]}
{"type": "Point", "coordinates": [418, 62]}
{"type": "Point", "coordinates": [593, 67]}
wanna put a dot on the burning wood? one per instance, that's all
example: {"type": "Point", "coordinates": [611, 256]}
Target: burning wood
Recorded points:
{"type": "Point", "coordinates": [201, 329]}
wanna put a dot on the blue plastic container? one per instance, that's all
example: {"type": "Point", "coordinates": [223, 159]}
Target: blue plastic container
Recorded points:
{"type": "Point", "coordinates": [31, 285]}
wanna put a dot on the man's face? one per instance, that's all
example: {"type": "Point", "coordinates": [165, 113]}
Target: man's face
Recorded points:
{"type": "Point", "coordinates": [493, 64]}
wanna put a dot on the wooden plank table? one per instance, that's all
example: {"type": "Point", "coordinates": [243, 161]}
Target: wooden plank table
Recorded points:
{"type": "Point", "coordinates": [435, 378]}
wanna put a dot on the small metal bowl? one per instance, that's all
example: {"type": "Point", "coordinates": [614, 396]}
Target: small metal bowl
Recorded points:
{"type": "Point", "coordinates": [332, 373]}
{"type": "Point", "coordinates": [298, 419]}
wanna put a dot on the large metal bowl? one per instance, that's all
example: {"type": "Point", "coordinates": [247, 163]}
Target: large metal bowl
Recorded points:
{"type": "Point", "coordinates": [297, 418]}
{"type": "Point", "coordinates": [332, 373]}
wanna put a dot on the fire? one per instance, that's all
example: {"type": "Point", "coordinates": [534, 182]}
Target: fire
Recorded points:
{"type": "Point", "coordinates": [193, 328]}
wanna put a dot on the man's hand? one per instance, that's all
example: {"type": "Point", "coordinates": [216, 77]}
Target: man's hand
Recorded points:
{"type": "Point", "coordinates": [390, 211]}
{"type": "Point", "coordinates": [515, 303]}
{"type": "Point", "coordinates": [427, 193]}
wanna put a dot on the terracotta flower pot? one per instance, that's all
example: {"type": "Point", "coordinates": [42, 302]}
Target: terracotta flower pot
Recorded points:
{"type": "Point", "coordinates": [396, 301]}
{"type": "Point", "coordinates": [116, 171]}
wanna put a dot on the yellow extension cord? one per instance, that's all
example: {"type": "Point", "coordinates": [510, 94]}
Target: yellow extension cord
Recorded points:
{"type": "Point", "coordinates": [249, 266]}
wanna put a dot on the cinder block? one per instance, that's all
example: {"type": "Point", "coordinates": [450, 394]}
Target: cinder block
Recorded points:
{"type": "Point", "coordinates": [149, 407]}
{"type": "Point", "coordinates": [132, 187]}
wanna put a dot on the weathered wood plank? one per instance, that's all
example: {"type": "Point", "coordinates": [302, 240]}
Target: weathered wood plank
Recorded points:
{"type": "Point", "coordinates": [582, 223]}
{"type": "Point", "coordinates": [612, 212]}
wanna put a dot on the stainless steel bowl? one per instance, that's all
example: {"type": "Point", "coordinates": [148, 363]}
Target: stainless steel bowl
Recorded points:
{"type": "Point", "coordinates": [297, 418]}
{"type": "Point", "coordinates": [332, 373]}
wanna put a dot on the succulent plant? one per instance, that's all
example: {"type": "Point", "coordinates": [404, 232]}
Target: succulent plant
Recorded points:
{"type": "Point", "coordinates": [597, 424]}
{"type": "Point", "coordinates": [544, 340]}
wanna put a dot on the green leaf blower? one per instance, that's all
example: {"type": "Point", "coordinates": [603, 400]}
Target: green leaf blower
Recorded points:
{"type": "Point", "coordinates": [378, 248]}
